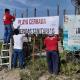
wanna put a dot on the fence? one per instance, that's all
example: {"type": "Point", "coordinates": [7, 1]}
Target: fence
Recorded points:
{"type": "Point", "coordinates": [35, 15]}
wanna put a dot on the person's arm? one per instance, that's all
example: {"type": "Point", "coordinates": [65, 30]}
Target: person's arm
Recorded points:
{"type": "Point", "coordinates": [58, 37]}
{"type": "Point", "coordinates": [12, 17]}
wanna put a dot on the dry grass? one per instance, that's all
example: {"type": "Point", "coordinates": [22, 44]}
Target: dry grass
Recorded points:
{"type": "Point", "coordinates": [38, 71]}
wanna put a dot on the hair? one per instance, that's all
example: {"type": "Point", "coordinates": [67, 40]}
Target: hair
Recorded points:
{"type": "Point", "coordinates": [7, 10]}
{"type": "Point", "coordinates": [16, 32]}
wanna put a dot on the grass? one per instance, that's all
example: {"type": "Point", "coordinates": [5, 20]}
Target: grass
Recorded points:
{"type": "Point", "coordinates": [39, 68]}
{"type": "Point", "coordinates": [34, 70]}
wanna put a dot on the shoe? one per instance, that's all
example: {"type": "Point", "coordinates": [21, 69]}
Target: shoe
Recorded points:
{"type": "Point", "coordinates": [22, 67]}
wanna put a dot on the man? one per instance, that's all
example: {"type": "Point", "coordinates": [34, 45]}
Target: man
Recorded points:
{"type": "Point", "coordinates": [8, 21]}
{"type": "Point", "coordinates": [17, 49]}
{"type": "Point", "coordinates": [51, 44]}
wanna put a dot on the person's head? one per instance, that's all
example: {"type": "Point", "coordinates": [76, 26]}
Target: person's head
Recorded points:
{"type": "Point", "coordinates": [16, 31]}
{"type": "Point", "coordinates": [51, 34]}
{"type": "Point", "coordinates": [7, 10]}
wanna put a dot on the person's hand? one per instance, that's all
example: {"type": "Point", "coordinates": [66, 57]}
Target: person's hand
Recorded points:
{"type": "Point", "coordinates": [13, 20]}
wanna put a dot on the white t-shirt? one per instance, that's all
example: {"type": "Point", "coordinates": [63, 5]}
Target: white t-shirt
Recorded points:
{"type": "Point", "coordinates": [18, 41]}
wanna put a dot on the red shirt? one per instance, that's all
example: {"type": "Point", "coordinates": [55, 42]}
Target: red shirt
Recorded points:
{"type": "Point", "coordinates": [51, 43]}
{"type": "Point", "coordinates": [7, 18]}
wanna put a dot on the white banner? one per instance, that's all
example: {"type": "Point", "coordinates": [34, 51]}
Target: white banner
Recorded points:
{"type": "Point", "coordinates": [38, 25]}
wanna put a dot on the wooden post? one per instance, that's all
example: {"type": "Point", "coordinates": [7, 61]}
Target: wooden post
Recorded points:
{"type": "Point", "coordinates": [10, 53]}
{"type": "Point", "coordinates": [33, 51]}
{"type": "Point", "coordinates": [40, 44]}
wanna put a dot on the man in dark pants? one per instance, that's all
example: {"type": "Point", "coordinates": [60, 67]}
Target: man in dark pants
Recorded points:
{"type": "Point", "coordinates": [8, 21]}
{"type": "Point", "coordinates": [51, 43]}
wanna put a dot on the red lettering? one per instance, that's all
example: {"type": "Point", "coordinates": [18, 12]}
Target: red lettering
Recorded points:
{"type": "Point", "coordinates": [22, 22]}
{"type": "Point", "coordinates": [19, 22]}
{"type": "Point", "coordinates": [31, 21]}
{"type": "Point", "coordinates": [37, 21]}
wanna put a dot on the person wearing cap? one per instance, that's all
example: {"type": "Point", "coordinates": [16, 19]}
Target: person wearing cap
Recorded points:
{"type": "Point", "coordinates": [51, 44]}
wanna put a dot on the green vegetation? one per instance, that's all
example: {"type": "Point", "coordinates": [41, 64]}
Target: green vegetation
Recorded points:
{"type": "Point", "coordinates": [38, 68]}
{"type": "Point", "coordinates": [35, 69]}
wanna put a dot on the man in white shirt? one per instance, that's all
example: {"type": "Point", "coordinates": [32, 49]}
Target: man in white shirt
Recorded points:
{"type": "Point", "coordinates": [17, 51]}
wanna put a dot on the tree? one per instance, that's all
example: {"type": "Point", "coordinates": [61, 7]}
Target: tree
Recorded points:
{"type": "Point", "coordinates": [76, 3]}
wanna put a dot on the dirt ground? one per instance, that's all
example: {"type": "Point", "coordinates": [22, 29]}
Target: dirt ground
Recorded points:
{"type": "Point", "coordinates": [14, 74]}
{"type": "Point", "coordinates": [9, 75]}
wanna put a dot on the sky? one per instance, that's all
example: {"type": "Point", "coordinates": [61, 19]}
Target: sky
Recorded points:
{"type": "Point", "coordinates": [41, 5]}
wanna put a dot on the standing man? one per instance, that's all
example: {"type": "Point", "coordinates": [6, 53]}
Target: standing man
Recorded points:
{"type": "Point", "coordinates": [8, 21]}
{"type": "Point", "coordinates": [17, 49]}
{"type": "Point", "coordinates": [51, 44]}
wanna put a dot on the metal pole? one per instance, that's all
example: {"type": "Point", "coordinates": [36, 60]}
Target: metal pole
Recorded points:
{"type": "Point", "coordinates": [75, 10]}
{"type": "Point", "coordinates": [22, 15]}
{"type": "Point", "coordinates": [48, 13]}
{"type": "Point", "coordinates": [35, 12]}
{"type": "Point", "coordinates": [64, 14]}
{"type": "Point", "coordinates": [26, 12]}
{"type": "Point", "coordinates": [14, 13]}
{"type": "Point", "coordinates": [58, 9]}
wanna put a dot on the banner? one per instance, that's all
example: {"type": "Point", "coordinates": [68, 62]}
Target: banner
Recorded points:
{"type": "Point", "coordinates": [38, 25]}
{"type": "Point", "coordinates": [71, 40]}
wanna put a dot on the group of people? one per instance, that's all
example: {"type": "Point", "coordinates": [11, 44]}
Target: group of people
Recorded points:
{"type": "Point", "coordinates": [9, 33]}
{"type": "Point", "coordinates": [50, 43]}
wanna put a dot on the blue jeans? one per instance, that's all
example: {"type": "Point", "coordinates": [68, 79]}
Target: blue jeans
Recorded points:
{"type": "Point", "coordinates": [53, 61]}
{"type": "Point", "coordinates": [17, 54]}
{"type": "Point", "coordinates": [7, 33]}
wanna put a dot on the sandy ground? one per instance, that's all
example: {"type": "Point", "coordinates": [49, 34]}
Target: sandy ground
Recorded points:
{"type": "Point", "coordinates": [10, 75]}
{"type": "Point", "coordinates": [14, 74]}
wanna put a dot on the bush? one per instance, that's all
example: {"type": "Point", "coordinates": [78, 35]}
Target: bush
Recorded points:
{"type": "Point", "coordinates": [36, 69]}
{"type": "Point", "coordinates": [39, 68]}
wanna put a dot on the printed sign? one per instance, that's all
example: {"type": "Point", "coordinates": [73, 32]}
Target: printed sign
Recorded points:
{"type": "Point", "coordinates": [38, 25]}
{"type": "Point", "coordinates": [71, 32]}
